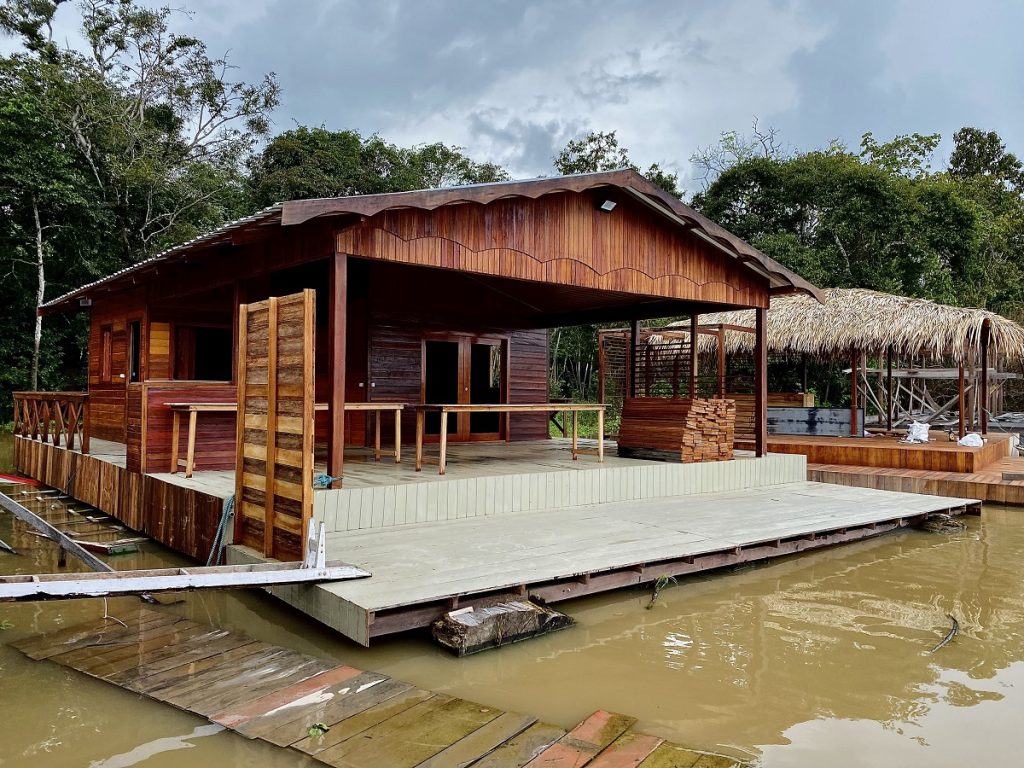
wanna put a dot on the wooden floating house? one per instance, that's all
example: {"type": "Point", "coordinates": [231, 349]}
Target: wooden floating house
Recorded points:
{"type": "Point", "coordinates": [398, 345]}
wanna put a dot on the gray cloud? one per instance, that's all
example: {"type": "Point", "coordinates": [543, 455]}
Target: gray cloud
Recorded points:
{"type": "Point", "coordinates": [513, 80]}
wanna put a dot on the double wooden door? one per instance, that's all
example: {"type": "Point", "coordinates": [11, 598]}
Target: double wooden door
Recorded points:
{"type": "Point", "coordinates": [465, 369]}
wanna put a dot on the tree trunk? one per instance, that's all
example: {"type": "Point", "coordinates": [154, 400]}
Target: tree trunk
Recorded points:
{"type": "Point", "coordinates": [37, 336]}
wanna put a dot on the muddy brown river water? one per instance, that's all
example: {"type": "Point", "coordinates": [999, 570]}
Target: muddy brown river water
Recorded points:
{"type": "Point", "coordinates": [813, 660]}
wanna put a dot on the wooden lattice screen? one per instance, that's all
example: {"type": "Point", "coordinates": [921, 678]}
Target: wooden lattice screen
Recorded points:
{"type": "Point", "coordinates": [274, 465]}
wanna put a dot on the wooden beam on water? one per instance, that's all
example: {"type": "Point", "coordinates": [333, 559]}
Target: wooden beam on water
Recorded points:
{"type": "Point", "coordinates": [56, 586]}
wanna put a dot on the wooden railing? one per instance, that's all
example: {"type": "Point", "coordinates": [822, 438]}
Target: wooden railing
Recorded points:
{"type": "Point", "coordinates": [57, 417]}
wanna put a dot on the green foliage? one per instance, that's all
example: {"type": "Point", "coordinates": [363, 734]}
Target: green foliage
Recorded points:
{"type": "Point", "coordinates": [316, 730]}
{"type": "Point", "coordinates": [600, 151]}
{"type": "Point", "coordinates": [306, 163]}
{"type": "Point", "coordinates": [907, 155]}
{"type": "Point", "coordinates": [981, 154]}
{"type": "Point", "coordinates": [110, 154]}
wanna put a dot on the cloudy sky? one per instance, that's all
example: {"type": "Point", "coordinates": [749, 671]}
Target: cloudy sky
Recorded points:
{"type": "Point", "coordinates": [513, 80]}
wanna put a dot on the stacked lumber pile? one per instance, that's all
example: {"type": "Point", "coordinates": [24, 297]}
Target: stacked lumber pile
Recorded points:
{"type": "Point", "coordinates": [710, 431]}
{"type": "Point", "coordinates": [678, 429]}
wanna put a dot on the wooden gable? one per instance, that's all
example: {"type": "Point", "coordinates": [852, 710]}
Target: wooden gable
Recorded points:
{"type": "Point", "coordinates": [563, 239]}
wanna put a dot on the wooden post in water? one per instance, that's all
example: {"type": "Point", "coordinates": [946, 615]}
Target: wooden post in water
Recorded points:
{"type": "Point", "coordinates": [337, 332]}
{"type": "Point", "coordinates": [761, 382]}
{"type": "Point", "coordinates": [986, 333]}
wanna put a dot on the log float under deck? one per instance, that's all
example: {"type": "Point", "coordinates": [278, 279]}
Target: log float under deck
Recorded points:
{"type": "Point", "coordinates": [275, 694]}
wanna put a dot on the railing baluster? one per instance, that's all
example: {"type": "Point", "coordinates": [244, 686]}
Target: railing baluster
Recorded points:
{"type": "Point", "coordinates": [61, 418]}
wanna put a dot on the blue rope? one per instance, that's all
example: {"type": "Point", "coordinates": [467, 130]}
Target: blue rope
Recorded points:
{"type": "Point", "coordinates": [227, 511]}
{"type": "Point", "coordinates": [323, 480]}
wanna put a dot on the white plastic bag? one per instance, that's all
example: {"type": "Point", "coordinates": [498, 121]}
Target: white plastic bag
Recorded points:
{"type": "Point", "coordinates": [917, 432]}
{"type": "Point", "coordinates": [971, 440]}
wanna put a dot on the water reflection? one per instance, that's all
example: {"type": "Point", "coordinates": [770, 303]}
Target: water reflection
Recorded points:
{"type": "Point", "coordinates": [819, 659]}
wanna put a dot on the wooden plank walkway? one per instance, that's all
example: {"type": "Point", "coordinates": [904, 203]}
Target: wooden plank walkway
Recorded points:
{"type": "Point", "coordinates": [276, 695]}
{"type": "Point", "coordinates": [985, 485]}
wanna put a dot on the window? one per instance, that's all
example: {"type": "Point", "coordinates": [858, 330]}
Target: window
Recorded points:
{"type": "Point", "coordinates": [106, 353]}
{"type": "Point", "coordinates": [134, 350]}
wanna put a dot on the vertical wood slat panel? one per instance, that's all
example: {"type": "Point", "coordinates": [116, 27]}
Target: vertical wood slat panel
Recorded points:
{"type": "Point", "coordinates": [271, 459]}
{"type": "Point", "coordinates": [276, 375]}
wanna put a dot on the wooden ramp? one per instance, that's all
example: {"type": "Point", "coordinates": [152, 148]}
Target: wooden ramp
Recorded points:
{"type": "Point", "coordinates": [277, 695]}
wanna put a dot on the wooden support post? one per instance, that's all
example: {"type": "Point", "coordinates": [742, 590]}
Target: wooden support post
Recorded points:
{"type": "Point", "coordinates": [888, 389]}
{"type": "Point", "coordinates": [693, 355]}
{"type": "Point", "coordinates": [963, 402]}
{"type": "Point", "coordinates": [634, 333]}
{"type": "Point", "coordinates": [986, 333]}
{"type": "Point", "coordinates": [600, 371]}
{"type": "Point", "coordinates": [854, 426]}
{"type": "Point", "coordinates": [721, 362]}
{"type": "Point", "coordinates": [761, 382]}
{"type": "Point", "coordinates": [242, 348]}
{"type": "Point", "coordinates": [238, 299]}
{"type": "Point", "coordinates": [337, 311]}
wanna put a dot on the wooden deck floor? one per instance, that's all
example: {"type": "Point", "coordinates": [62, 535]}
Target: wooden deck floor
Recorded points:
{"type": "Point", "coordinates": [987, 484]}
{"type": "Point", "coordinates": [421, 570]}
{"type": "Point", "coordinates": [276, 694]}
{"type": "Point", "coordinates": [882, 451]}
{"type": "Point", "coordinates": [465, 460]}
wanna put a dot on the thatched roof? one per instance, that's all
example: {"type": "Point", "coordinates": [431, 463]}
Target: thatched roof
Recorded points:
{"type": "Point", "coordinates": [858, 320]}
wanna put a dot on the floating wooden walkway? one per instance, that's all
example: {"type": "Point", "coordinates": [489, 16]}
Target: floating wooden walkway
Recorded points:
{"type": "Point", "coordinates": [276, 695]}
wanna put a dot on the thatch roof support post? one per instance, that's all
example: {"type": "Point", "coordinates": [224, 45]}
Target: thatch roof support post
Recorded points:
{"type": "Point", "coordinates": [854, 373]}
{"type": "Point", "coordinates": [888, 389]}
{"type": "Point", "coordinates": [693, 355]}
{"type": "Point", "coordinates": [721, 361]}
{"type": "Point", "coordinates": [761, 382]}
{"type": "Point", "coordinates": [963, 401]}
{"type": "Point", "coordinates": [634, 333]}
{"type": "Point", "coordinates": [986, 333]}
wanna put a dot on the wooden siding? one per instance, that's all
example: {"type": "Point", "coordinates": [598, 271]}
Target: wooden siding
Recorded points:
{"type": "Point", "coordinates": [274, 464]}
{"type": "Point", "coordinates": [181, 518]}
{"type": "Point", "coordinates": [560, 239]}
{"type": "Point", "coordinates": [150, 424]}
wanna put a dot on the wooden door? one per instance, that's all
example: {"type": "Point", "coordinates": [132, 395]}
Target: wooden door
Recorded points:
{"type": "Point", "coordinates": [463, 369]}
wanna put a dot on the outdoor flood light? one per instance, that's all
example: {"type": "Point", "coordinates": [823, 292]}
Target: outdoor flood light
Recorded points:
{"type": "Point", "coordinates": [608, 206]}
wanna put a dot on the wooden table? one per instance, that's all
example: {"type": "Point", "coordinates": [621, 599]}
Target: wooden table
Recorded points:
{"type": "Point", "coordinates": [194, 409]}
{"type": "Point", "coordinates": [508, 409]}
